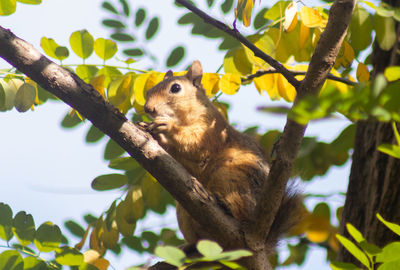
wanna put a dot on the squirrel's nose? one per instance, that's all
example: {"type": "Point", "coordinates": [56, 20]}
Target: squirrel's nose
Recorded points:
{"type": "Point", "coordinates": [149, 109]}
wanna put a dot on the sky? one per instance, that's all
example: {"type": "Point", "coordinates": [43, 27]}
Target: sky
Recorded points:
{"type": "Point", "coordinates": [47, 170]}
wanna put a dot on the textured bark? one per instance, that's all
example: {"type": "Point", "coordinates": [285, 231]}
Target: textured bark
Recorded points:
{"type": "Point", "coordinates": [374, 184]}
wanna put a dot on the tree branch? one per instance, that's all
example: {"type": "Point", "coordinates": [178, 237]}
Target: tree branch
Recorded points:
{"type": "Point", "coordinates": [235, 34]}
{"type": "Point", "coordinates": [260, 73]}
{"type": "Point", "coordinates": [288, 146]}
{"type": "Point", "coordinates": [172, 176]}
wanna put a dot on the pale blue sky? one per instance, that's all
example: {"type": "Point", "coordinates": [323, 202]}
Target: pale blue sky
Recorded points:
{"type": "Point", "coordinates": [47, 171]}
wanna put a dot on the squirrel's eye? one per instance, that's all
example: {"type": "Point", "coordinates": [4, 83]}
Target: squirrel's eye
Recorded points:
{"type": "Point", "coordinates": [175, 88]}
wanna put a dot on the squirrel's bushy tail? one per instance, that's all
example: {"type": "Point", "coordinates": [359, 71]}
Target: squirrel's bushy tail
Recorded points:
{"type": "Point", "coordinates": [289, 214]}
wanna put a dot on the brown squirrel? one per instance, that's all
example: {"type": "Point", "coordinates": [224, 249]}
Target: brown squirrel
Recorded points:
{"type": "Point", "coordinates": [229, 164]}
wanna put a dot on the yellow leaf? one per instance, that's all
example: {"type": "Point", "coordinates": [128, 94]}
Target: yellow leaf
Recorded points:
{"type": "Point", "coordinates": [109, 238]}
{"type": "Point", "coordinates": [304, 34]}
{"type": "Point", "coordinates": [134, 198]}
{"type": "Point", "coordinates": [98, 84]}
{"type": "Point", "coordinates": [265, 43]}
{"type": "Point", "coordinates": [93, 257]}
{"type": "Point", "coordinates": [125, 223]}
{"type": "Point", "coordinates": [210, 83]}
{"type": "Point", "coordinates": [236, 61]}
{"type": "Point", "coordinates": [230, 83]}
{"type": "Point", "coordinates": [153, 79]}
{"type": "Point", "coordinates": [267, 83]}
{"type": "Point", "coordinates": [345, 56]}
{"type": "Point", "coordinates": [243, 11]}
{"type": "Point", "coordinates": [179, 73]}
{"type": "Point", "coordinates": [318, 230]}
{"type": "Point", "coordinates": [392, 73]}
{"type": "Point", "coordinates": [333, 241]}
{"type": "Point", "coordinates": [118, 90]}
{"type": "Point", "coordinates": [290, 17]}
{"type": "Point", "coordinates": [139, 88]}
{"type": "Point", "coordinates": [362, 73]}
{"type": "Point", "coordinates": [311, 17]}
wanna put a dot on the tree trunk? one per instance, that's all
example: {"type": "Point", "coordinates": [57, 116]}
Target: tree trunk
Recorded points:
{"type": "Point", "coordinates": [374, 184]}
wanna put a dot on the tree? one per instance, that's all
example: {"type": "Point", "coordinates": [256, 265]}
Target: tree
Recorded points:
{"type": "Point", "coordinates": [248, 59]}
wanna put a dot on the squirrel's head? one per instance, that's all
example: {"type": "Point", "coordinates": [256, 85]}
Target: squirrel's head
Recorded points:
{"type": "Point", "coordinates": [177, 96]}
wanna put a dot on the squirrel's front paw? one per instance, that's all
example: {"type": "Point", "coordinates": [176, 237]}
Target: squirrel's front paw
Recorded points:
{"type": "Point", "coordinates": [143, 125]}
{"type": "Point", "coordinates": [161, 124]}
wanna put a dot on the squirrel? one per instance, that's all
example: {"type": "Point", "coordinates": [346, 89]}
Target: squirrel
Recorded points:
{"type": "Point", "coordinates": [229, 164]}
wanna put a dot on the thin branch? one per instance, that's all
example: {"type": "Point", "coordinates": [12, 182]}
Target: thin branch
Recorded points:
{"type": "Point", "coordinates": [235, 34]}
{"type": "Point", "coordinates": [171, 175]}
{"type": "Point", "coordinates": [260, 73]}
{"type": "Point", "coordinates": [289, 144]}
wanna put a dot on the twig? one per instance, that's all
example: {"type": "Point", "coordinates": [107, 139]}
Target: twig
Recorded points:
{"type": "Point", "coordinates": [260, 73]}
{"type": "Point", "coordinates": [235, 34]}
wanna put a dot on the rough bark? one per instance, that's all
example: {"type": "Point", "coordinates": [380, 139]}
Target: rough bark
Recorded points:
{"type": "Point", "coordinates": [374, 180]}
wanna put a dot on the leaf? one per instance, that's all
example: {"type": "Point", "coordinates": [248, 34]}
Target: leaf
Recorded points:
{"type": "Point", "coordinates": [11, 260]}
{"type": "Point", "coordinates": [114, 24]}
{"type": "Point", "coordinates": [385, 31]}
{"type": "Point", "coordinates": [267, 83]}
{"type": "Point", "coordinates": [175, 56]}
{"type": "Point", "coordinates": [86, 72]}
{"type": "Point", "coordinates": [171, 255]}
{"type": "Point", "coordinates": [322, 210]}
{"type": "Point", "coordinates": [47, 237]}
{"type": "Point", "coordinates": [25, 97]}
{"type": "Point", "coordinates": [124, 163]}
{"type": "Point", "coordinates": [24, 228]}
{"type": "Point", "coordinates": [362, 73]}
{"type": "Point", "coordinates": [392, 265]}
{"type": "Point", "coordinates": [318, 229]}
{"type": "Point", "coordinates": [133, 52]}
{"type": "Point", "coordinates": [113, 150]}
{"type": "Point", "coordinates": [140, 16]}
{"type": "Point", "coordinates": [5, 222]}
{"type": "Point", "coordinates": [356, 234]}
{"type": "Point", "coordinates": [139, 88]}
{"type": "Point", "coordinates": [236, 61]}
{"type": "Point", "coordinates": [109, 181]}
{"type": "Point", "coordinates": [210, 83]}
{"type": "Point", "coordinates": [68, 256]}
{"type": "Point", "coordinates": [94, 135]}
{"type": "Point", "coordinates": [354, 250]}
{"type": "Point", "coordinates": [7, 7]}
{"type": "Point", "coordinates": [343, 266]}
{"type": "Point", "coordinates": [108, 6]}
{"type": "Point", "coordinates": [290, 17]}
{"type": "Point", "coordinates": [70, 121]}
{"type": "Point", "coordinates": [392, 73]}
{"type": "Point", "coordinates": [52, 49]}
{"type": "Point", "coordinates": [151, 190]}
{"type": "Point", "coordinates": [360, 29]}
{"type": "Point", "coordinates": [82, 43]}
{"type": "Point", "coordinates": [135, 202]}
{"type": "Point", "coordinates": [277, 10]}
{"type": "Point", "coordinates": [393, 226]}
{"type": "Point", "coordinates": [285, 89]}
{"type": "Point", "coordinates": [122, 37]}
{"type": "Point", "coordinates": [74, 228]}
{"type": "Point", "coordinates": [390, 252]}
{"type": "Point", "coordinates": [208, 248]}
{"type": "Point", "coordinates": [230, 83]}
{"type": "Point", "coordinates": [105, 48]}
{"type": "Point", "coordinates": [390, 149]}
{"type": "Point", "coordinates": [311, 17]}
{"type": "Point", "coordinates": [125, 7]}
{"type": "Point", "coordinates": [243, 11]}
{"type": "Point", "coordinates": [259, 20]}
{"type": "Point", "coordinates": [152, 28]}
{"type": "Point", "coordinates": [31, 263]}
{"type": "Point", "coordinates": [126, 225]}
{"type": "Point", "coordinates": [226, 6]}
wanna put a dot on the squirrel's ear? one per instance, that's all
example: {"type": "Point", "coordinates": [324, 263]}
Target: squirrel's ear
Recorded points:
{"type": "Point", "coordinates": [169, 74]}
{"type": "Point", "coordinates": [195, 72]}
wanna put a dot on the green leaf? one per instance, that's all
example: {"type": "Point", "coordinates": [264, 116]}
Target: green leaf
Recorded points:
{"type": "Point", "coordinates": [354, 250]}
{"type": "Point", "coordinates": [68, 256]}
{"type": "Point", "coordinates": [113, 150]}
{"type": "Point", "coordinates": [52, 49]}
{"type": "Point", "coordinates": [152, 28]}
{"type": "Point", "coordinates": [393, 226]}
{"type": "Point", "coordinates": [47, 237]}
{"type": "Point", "coordinates": [5, 222]}
{"type": "Point", "coordinates": [124, 163]}
{"type": "Point", "coordinates": [134, 52]}
{"type": "Point", "coordinates": [390, 252]}
{"type": "Point", "coordinates": [371, 249]}
{"type": "Point", "coordinates": [75, 228]}
{"type": "Point", "coordinates": [360, 29]}
{"type": "Point", "coordinates": [343, 266]}
{"type": "Point", "coordinates": [86, 72]}
{"type": "Point", "coordinates": [109, 181]}
{"type": "Point", "coordinates": [11, 260]}
{"type": "Point", "coordinates": [392, 73]}
{"type": "Point", "coordinates": [108, 6]}
{"type": "Point", "coordinates": [385, 10]}
{"type": "Point", "coordinates": [322, 210]}
{"type": "Point", "coordinates": [94, 135]}
{"type": "Point", "coordinates": [30, 2]}
{"type": "Point", "coordinates": [70, 121]}
{"type": "Point", "coordinates": [114, 24]}
{"type": "Point", "coordinates": [122, 37]}
{"type": "Point", "coordinates": [125, 7]}
{"type": "Point", "coordinates": [140, 16]}
{"type": "Point", "coordinates": [208, 248]}
{"type": "Point", "coordinates": [24, 228]}
{"type": "Point", "coordinates": [356, 234]}
{"type": "Point", "coordinates": [105, 48]}
{"type": "Point", "coordinates": [175, 56]}
{"type": "Point", "coordinates": [392, 265]}
{"type": "Point", "coordinates": [7, 7]}
{"type": "Point", "coordinates": [390, 149]}
{"type": "Point", "coordinates": [227, 6]}
{"type": "Point", "coordinates": [25, 97]}
{"type": "Point", "coordinates": [31, 263]}
{"type": "Point", "coordinates": [171, 255]}
{"type": "Point", "coordinates": [259, 20]}
{"type": "Point", "coordinates": [152, 193]}
{"type": "Point", "coordinates": [276, 11]}
{"type": "Point", "coordinates": [2, 97]}
{"type": "Point", "coordinates": [82, 43]}
{"type": "Point", "coordinates": [385, 31]}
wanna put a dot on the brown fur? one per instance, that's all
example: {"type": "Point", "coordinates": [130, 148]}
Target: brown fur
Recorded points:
{"type": "Point", "coordinates": [228, 163]}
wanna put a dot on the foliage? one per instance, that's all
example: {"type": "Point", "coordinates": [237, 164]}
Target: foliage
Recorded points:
{"type": "Point", "coordinates": [369, 255]}
{"type": "Point", "coordinates": [272, 29]}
